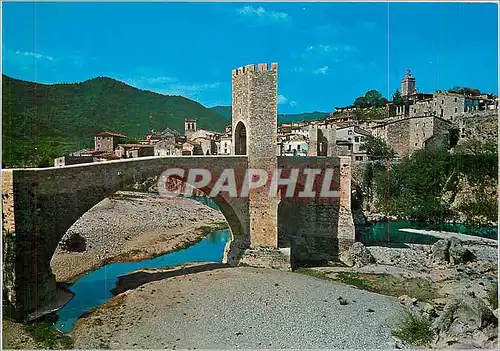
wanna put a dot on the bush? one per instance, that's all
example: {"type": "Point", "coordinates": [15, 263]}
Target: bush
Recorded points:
{"type": "Point", "coordinates": [414, 329]}
{"type": "Point", "coordinates": [48, 336]}
{"type": "Point", "coordinates": [493, 296]}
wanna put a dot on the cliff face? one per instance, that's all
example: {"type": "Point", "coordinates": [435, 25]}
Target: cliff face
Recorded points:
{"type": "Point", "coordinates": [475, 203]}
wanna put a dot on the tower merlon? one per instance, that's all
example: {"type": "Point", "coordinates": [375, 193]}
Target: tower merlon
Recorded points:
{"type": "Point", "coordinates": [261, 67]}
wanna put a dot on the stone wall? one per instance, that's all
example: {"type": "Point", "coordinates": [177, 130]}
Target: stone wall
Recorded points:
{"type": "Point", "coordinates": [398, 136]}
{"type": "Point", "coordinates": [317, 229]}
{"type": "Point", "coordinates": [478, 125]}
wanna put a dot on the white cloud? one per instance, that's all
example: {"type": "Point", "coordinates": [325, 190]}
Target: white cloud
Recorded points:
{"type": "Point", "coordinates": [293, 103]}
{"type": "Point", "coordinates": [35, 55]}
{"type": "Point", "coordinates": [161, 80]}
{"type": "Point", "coordinates": [188, 90]}
{"type": "Point", "coordinates": [282, 99]}
{"type": "Point", "coordinates": [262, 13]}
{"type": "Point", "coordinates": [320, 48]}
{"type": "Point", "coordinates": [321, 70]}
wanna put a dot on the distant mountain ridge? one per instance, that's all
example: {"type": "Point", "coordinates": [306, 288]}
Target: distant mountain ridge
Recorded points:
{"type": "Point", "coordinates": [41, 122]}
{"type": "Point", "coordinates": [225, 111]}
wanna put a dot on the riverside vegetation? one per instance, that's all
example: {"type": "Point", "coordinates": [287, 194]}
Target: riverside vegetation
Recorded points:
{"type": "Point", "coordinates": [435, 185]}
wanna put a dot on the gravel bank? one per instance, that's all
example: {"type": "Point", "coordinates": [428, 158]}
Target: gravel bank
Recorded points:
{"type": "Point", "coordinates": [240, 307]}
{"type": "Point", "coordinates": [132, 226]}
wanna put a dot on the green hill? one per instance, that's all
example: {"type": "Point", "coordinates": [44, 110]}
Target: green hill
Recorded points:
{"type": "Point", "coordinates": [225, 111]}
{"type": "Point", "coordinates": [41, 122]}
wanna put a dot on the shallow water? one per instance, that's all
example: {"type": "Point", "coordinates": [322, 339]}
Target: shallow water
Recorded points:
{"type": "Point", "coordinates": [379, 232]}
{"type": "Point", "coordinates": [93, 289]}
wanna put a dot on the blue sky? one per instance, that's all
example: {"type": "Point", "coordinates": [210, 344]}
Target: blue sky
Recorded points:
{"type": "Point", "coordinates": [327, 53]}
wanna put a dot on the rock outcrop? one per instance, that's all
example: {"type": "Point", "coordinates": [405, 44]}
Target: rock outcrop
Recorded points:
{"type": "Point", "coordinates": [357, 256]}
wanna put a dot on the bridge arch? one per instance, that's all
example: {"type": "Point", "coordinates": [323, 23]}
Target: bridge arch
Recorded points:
{"type": "Point", "coordinates": [47, 202]}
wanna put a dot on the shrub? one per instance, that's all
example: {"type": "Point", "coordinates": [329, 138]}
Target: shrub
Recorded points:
{"type": "Point", "coordinates": [414, 329]}
{"type": "Point", "coordinates": [493, 296]}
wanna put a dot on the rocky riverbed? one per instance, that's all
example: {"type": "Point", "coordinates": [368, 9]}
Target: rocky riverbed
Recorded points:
{"type": "Point", "coordinates": [214, 307]}
{"type": "Point", "coordinates": [131, 226]}
{"type": "Point", "coordinates": [453, 285]}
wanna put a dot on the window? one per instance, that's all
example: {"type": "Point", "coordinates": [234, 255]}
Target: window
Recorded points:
{"type": "Point", "coordinates": [359, 158]}
{"type": "Point", "coordinates": [356, 139]}
{"type": "Point", "coordinates": [289, 147]}
{"type": "Point", "coordinates": [456, 108]}
{"type": "Point", "coordinates": [349, 147]}
{"type": "Point", "coordinates": [442, 101]}
{"type": "Point", "coordinates": [455, 99]}
{"type": "Point", "coordinates": [349, 132]}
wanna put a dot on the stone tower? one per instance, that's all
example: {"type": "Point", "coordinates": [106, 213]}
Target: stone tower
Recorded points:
{"type": "Point", "coordinates": [255, 128]}
{"type": "Point", "coordinates": [408, 84]}
{"type": "Point", "coordinates": [189, 127]}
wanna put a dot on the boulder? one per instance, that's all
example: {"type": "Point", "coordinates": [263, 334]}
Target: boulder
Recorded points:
{"type": "Point", "coordinates": [440, 251]}
{"type": "Point", "coordinates": [457, 253]}
{"type": "Point", "coordinates": [407, 301]}
{"type": "Point", "coordinates": [357, 255]}
{"type": "Point", "coordinates": [451, 251]}
{"type": "Point", "coordinates": [465, 315]}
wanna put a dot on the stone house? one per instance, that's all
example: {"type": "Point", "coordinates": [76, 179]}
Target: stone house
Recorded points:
{"type": "Point", "coordinates": [349, 140]}
{"type": "Point", "coordinates": [107, 141]}
{"type": "Point", "coordinates": [165, 148]}
{"type": "Point", "coordinates": [410, 134]}
{"type": "Point", "coordinates": [293, 145]}
{"type": "Point", "coordinates": [134, 150]}
{"type": "Point", "coordinates": [207, 146]}
{"type": "Point", "coordinates": [448, 105]}
{"type": "Point", "coordinates": [225, 145]}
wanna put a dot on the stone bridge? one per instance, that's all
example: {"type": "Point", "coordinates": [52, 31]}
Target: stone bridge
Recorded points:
{"type": "Point", "coordinates": [40, 205]}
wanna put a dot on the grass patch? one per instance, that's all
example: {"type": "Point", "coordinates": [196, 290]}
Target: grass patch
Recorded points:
{"type": "Point", "coordinates": [413, 329]}
{"type": "Point", "coordinates": [384, 284]}
{"type": "Point", "coordinates": [314, 273]}
{"type": "Point", "coordinates": [493, 296]}
{"type": "Point", "coordinates": [48, 336]}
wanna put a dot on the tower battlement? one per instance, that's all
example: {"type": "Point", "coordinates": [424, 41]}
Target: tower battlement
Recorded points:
{"type": "Point", "coordinates": [260, 67]}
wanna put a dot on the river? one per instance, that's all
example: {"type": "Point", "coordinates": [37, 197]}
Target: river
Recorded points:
{"type": "Point", "coordinates": [93, 289]}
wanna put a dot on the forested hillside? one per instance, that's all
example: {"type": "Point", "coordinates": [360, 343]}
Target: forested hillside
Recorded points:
{"type": "Point", "coordinates": [41, 122]}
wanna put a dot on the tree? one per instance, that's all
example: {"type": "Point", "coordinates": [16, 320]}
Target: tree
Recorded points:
{"type": "Point", "coordinates": [397, 98]}
{"type": "Point", "coordinates": [377, 148]}
{"type": "Point", "coordinates": [372, 98]}
{"type": "Point", "coordinates": [465, 91]}
{"type": "Point", "coordinates": [360, 102]}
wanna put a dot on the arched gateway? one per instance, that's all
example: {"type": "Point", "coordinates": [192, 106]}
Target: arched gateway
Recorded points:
{"type": "Point", "coordinates": [40, 205]}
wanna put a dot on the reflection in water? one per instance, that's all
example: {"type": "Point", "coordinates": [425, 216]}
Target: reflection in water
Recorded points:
{"type": "Point", "coordinates": [94, 288]}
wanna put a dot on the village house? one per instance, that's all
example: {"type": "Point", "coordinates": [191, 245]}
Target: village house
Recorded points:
{"type": "Point", "coordinates": [349, 140]}
{"type": "Point", "coordinates": [293, 145]}
{"type": "Point", "coordinates": [134, 150]}
{"type": "Point", "coordinates": [107, 141]}
{"type": "Point", "coordinates": [166, 148]}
